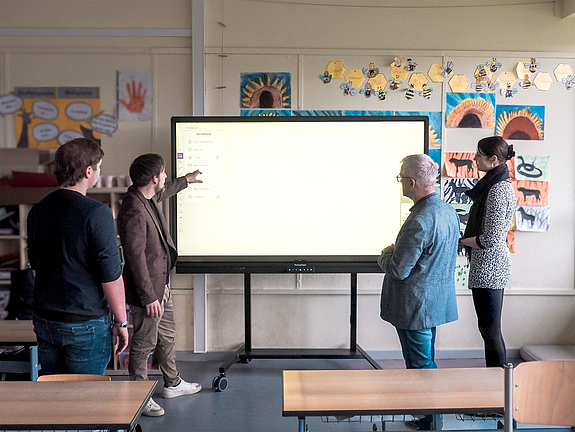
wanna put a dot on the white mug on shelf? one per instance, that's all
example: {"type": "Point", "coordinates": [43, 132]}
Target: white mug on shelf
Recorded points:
{"type": "Point", "coordinates": [121, 180]}
{"type": "Point", "coordinates": [99, 182]}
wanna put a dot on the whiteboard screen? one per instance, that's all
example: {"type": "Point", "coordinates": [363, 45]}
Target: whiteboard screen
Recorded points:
{"type": "Point", "coordinates": [299, 194]}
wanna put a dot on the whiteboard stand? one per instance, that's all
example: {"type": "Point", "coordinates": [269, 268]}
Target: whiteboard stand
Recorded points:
{"type": "Point", "coordinates": [246, 353]}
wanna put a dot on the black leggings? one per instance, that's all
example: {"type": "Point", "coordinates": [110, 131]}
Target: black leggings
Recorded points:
{"type": "Point", "coordinates": [488, 304]}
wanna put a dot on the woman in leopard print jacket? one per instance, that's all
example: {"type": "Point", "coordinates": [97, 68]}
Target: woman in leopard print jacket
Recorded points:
{"type": "Point", "coordinates": [485, 237]}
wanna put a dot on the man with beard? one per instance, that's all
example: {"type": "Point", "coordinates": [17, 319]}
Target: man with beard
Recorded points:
{"type": "Point", "coordinates": [150, 255]}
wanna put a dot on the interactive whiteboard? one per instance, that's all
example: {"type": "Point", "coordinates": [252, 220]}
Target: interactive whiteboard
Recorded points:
{"type": "Point", "coordinates": [295, 194]}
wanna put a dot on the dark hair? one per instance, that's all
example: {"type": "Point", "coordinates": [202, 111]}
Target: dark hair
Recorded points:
{"type": "Point", "coordinates": [495, 145]}
{"type": "Point", "coordinates": [73, 159]}
{"type": "Point", "coordinates": [145, 168]}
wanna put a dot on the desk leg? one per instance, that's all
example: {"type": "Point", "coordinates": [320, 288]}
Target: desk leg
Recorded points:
{"type": "Point", "coordinates": [34, 364]}
{"type": "Point", "coordinates": [301, 424]}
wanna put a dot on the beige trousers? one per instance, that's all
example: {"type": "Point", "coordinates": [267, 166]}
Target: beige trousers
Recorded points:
{"type": "Point", "coordinates": [157, 334]}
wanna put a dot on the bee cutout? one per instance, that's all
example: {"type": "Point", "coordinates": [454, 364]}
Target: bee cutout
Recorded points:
{"type": "Point", "coordinates": [479, 86]}
{"type": "Point", "coordinates": [366, 91]}
{"type": "Point", "coordinates": [532, 66]}
{"type": "Point", "coordinates": [525, 83]}
{"type": "Point", "coordinates": [493, 65]}
{"type": "Point", "coordinates": [348, 89]}
{"type": "Point", "coordinates": [426, 91]}
{"type": "Point", "coordinates": [380, 93]}
{"type": "Point", "coordinates": [508, 92]}
{"type": "Point", "coordinates": [568, 81]}
{"type": "Point", "coordinates": [326, 77]}
{"type": "Point", "coordinates": [371, 72]}
{"type": "Point", "coordinates": [447, 69]}
{"type": "Point", "coordinates": [410, 92]}
{"type": "Point", "coordinates": [394, 85]}
{"type": "Point", "coordinates": [482, 74]}
{"type": "Point", "coordinates": [494, 86]}
{"type": "Point", "coordinates": [410, 66]}
{"type": "Point", "coordinates": [397, 62]}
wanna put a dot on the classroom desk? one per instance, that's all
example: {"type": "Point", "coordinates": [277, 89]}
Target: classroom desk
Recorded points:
{"type": "Point", "coordinates": [20, 332]}
{"type": "Point", "coordinates": [391, 391]}
{"type": "Point", "coordinates": [58, 405]}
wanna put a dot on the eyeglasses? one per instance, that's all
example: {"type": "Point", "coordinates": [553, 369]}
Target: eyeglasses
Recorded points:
{"type": "Point", "coordinates": [399, 177]}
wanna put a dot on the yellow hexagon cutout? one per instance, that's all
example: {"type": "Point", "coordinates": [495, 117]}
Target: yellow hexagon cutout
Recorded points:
{"type": "Point", "coordinates": [417, 79]}
{"type": "Point", "coordinates": [378, 81]}
{"type": "Point", "coordinates": [563, 70]}
{"type": "Point", "coordinates": [356, 77]}
{"type": "Point", "coordinates": [398, 73]}
{"type": "Point", "coordinates": [458, 83]}
{"type": "Point", "coordinates": [521, 70]}
{"type": "Point", "coordinates": [543, 81]}
{"type": "Point", "coordinates": [505, 78]}
{"type": "Point", "coordinates": [434, 73]}
{"type": "Point", "coordinates": [336, 69]}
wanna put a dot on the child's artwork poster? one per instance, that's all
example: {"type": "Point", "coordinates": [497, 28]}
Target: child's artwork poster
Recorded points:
{"type": "Point", "coordinates": [461, 276]}
{"type": "Point", "coordinates": [314, 113]}
{"type": "Point", "coordinates": [134, 95]}
{"type": "Point", "coordinates": [265, 90]}
{"type": "Point", "coordinates": [520, 122]}
{"type": "Point", "coordinates": [460, 165]}
{"type": "Point", "coordinates": [470, 110]}
{"type": "Point", "coordinates": [462, 211]}
{"type": "Point", "coordinates": [534, 219]}
{"type": "Point", "coordinates": [47, 117]}
{"type": "Point", "coordinates": [367, 113]}
{"type": "Point", "coordinates": [454, 190]}
{"type": "Point", "coordinates": [265, 113]}
{"type": "Point", "coordinates": [511, 241]}
{"type": "Point", "coordinates": [534, 168]}
{"type": "Point", "coordinates": [531, 193]}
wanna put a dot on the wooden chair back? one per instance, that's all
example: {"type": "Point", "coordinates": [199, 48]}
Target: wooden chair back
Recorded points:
{"type": "Point", "coordinates": [544, 393]}
{"type": "Point", "coordinates": [74, 377]}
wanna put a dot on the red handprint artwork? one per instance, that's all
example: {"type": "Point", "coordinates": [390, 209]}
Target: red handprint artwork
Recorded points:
{"type": "Point", "coordinates": [137, 98]}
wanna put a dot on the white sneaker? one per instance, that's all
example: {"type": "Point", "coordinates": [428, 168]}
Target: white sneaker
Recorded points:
{"type": "Point", "coordinates": [152, 409]}
{"type": "Point", "coordinates": [183, 388]}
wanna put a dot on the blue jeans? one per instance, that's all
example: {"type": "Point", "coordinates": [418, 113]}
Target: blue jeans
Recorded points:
{"type": "Point", "coordinates": [82, 348]}
{"type": "Point", "coordinates": [418, 347]}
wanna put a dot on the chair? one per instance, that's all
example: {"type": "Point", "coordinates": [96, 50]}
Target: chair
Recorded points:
{"type": "Point", "coordinates": [74, 377]}
{"type": "Point", "coordinates": [541, 392]}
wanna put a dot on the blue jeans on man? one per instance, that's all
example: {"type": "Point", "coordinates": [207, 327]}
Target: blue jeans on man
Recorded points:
{"type": "Point", "coordinates": [82, 348]}
{"type": "Point", "coordinates": [418, 348]}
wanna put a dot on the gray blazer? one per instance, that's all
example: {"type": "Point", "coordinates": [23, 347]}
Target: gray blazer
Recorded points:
{"type": "Point", "coordinates": [419, 286]}
{"type": "Point", "coordinates": [146, 243]}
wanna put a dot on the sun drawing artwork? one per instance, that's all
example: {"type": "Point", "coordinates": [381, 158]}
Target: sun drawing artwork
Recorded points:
{"type": "Point", "coordinates": [265, 90]}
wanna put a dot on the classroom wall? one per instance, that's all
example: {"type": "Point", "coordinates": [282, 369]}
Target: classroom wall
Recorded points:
{"type": "Point", "coordinates": [262, 36]}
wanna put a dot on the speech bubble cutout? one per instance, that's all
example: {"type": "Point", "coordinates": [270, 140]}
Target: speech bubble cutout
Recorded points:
{"type": "Point", "coordinates": [68, 135]}
{"type": "Point", "coordinates": [45, 132]}
{"type": "Point", "coordinates": [10, 103]}
{"type": "Point", "coordinates": [45, 110]}
{"type": "Point", "coordinates": [79, 111]}
{"type": "Point", "coordinates": [104, 123]}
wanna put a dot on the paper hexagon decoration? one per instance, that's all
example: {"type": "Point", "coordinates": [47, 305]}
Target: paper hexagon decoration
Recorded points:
{"type": "Point", "coordinates": [543, 81]}
{"type": "Point", "coordinates": [417, 79]}
{"type": "Point", "coordinates": [378, 81]}
{"type": "Point", "coordinates": [487, 71]}
{"type": "Point", "coordinates": [563, 70]}
{"type": "Point", "coordinates": [336, 69]}
{"type": "Point", "coordinates": [458, 83]}
{"type": "Point", "coordinates": [398, 73]}
{"type": "Point", "coordinates": [505, 78]}
{"type": "Point", "coordinates": [434, 73]}
{"type": "Point", "coordinates": [520, 70]}
{"type": "Point", "coordinates": [356, 77]}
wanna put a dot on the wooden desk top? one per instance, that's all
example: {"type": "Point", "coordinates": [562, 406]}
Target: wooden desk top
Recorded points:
{"type": "Point", "coordinates": [72, 404]}
{"type": "Point", "coordinates": [19, 332]}
{"type": "Point", "coordinates": [393, 391]}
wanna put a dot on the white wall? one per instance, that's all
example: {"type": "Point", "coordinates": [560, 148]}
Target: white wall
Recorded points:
{"type": "Point", "coordinates": [266, 36]}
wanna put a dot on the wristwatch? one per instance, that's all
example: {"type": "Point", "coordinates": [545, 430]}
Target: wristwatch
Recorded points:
{"type": "Point", "coordinates": [122, 324]}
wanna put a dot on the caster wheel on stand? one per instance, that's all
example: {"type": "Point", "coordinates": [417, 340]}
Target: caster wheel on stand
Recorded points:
{"type": "Point", "coordinates": [220, 383]}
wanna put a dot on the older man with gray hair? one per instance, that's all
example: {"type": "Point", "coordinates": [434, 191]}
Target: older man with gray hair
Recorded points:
{"type": "Point", "coordinates": [419, 286]}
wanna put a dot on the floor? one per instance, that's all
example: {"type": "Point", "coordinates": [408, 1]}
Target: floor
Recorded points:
{"type": "Point", "coordinates": [253, 400]}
